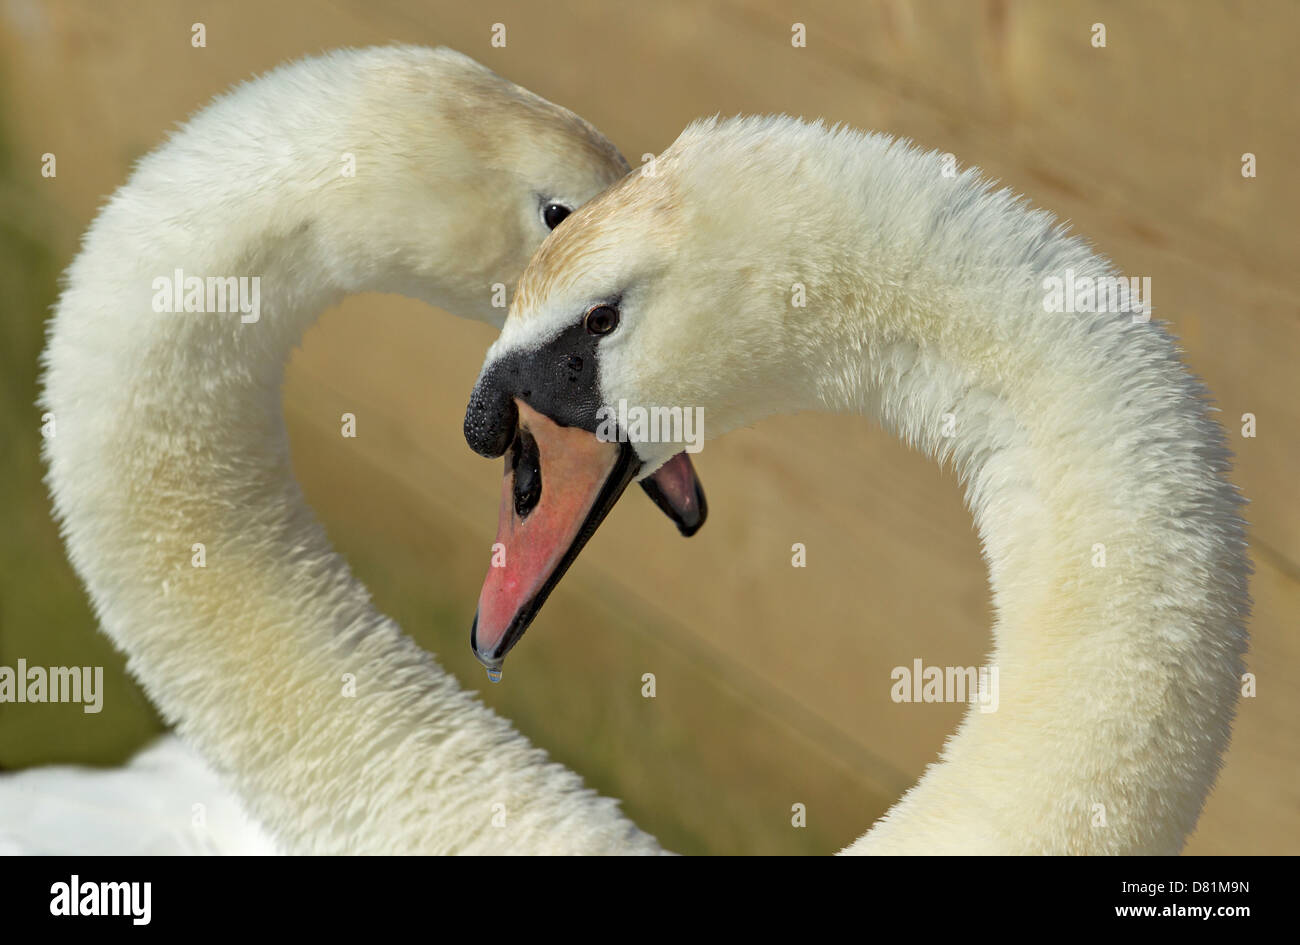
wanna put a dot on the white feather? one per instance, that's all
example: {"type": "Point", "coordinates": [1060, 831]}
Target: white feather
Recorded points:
{"type": "Point", "coordinates": [170, 433]}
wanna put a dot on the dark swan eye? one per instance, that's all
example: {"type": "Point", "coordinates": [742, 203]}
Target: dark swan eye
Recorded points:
{"type": "Point", "coordinates": [553, 214]}
{"type": "Point", "coordinates": [601, 320]}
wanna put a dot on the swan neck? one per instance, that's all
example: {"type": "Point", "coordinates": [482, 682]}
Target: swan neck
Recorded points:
{"type": "Point", "coordinates": [172, 480]}
{"type": "Point", "coordinates": [1098, 485]}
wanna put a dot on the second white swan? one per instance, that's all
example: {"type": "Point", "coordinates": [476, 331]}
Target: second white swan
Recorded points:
{"type": "Point", "coordinates": [770, 265]}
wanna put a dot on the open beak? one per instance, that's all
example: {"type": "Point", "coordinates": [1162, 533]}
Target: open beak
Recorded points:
{"type": "Point", "coordinates": [559, 484]}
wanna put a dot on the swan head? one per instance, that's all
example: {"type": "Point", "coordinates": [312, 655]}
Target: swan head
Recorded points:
{"type": "Point", "coordinates": [456, 177]}
{"type": "Point", "coordinates": [671, 290]}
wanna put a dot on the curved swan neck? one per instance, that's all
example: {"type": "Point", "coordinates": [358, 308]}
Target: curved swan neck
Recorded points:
{"type": "Point", "coordinates": [1098, 485]}
{"type": "Point", "coordinates": [171, 439]}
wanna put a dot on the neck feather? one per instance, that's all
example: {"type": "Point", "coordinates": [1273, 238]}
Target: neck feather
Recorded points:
{"type": "Point", "coordinates": [170, 434]}
{"type": "Point", "coordinates": [1098, 484]}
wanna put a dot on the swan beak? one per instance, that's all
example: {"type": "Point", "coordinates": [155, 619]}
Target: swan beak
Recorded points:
{"type": "Point", "coordinates": [559, 484]}
{"type": "Point", "coordinates": [676, 489]}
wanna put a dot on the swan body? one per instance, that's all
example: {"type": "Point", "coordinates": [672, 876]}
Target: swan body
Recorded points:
{"type": "Point", "coordinates": [170, 434]}
{"type": "Point", "coordinates": [1096, 477]}
{"type": "Point", "coordinates": [167, 802]}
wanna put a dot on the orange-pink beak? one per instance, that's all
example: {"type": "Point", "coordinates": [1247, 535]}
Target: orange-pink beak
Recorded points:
{"type": "Point", "coordinates": [559, 484]}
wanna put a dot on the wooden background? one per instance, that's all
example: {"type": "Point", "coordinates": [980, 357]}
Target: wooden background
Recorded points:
{"type": "Point", "coordinates": [773, 682]}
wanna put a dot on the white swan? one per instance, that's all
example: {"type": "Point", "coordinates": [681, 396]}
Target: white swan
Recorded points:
{"type": "Point", "coordinates": [166, 802]}
{"type": "Point", "coordinates": [1098, 481]}
{"type": "Point", "coordinates": [394, 169]}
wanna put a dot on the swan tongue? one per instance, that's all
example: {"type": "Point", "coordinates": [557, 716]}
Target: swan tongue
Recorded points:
{"type": "Point", "coordinates": [559, 484]}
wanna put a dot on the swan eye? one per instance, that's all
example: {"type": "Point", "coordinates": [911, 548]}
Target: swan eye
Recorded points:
{"type": "Point", "coordinates": [601, 320]}
{"type": "Point", "coordinates": [553, 214]}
